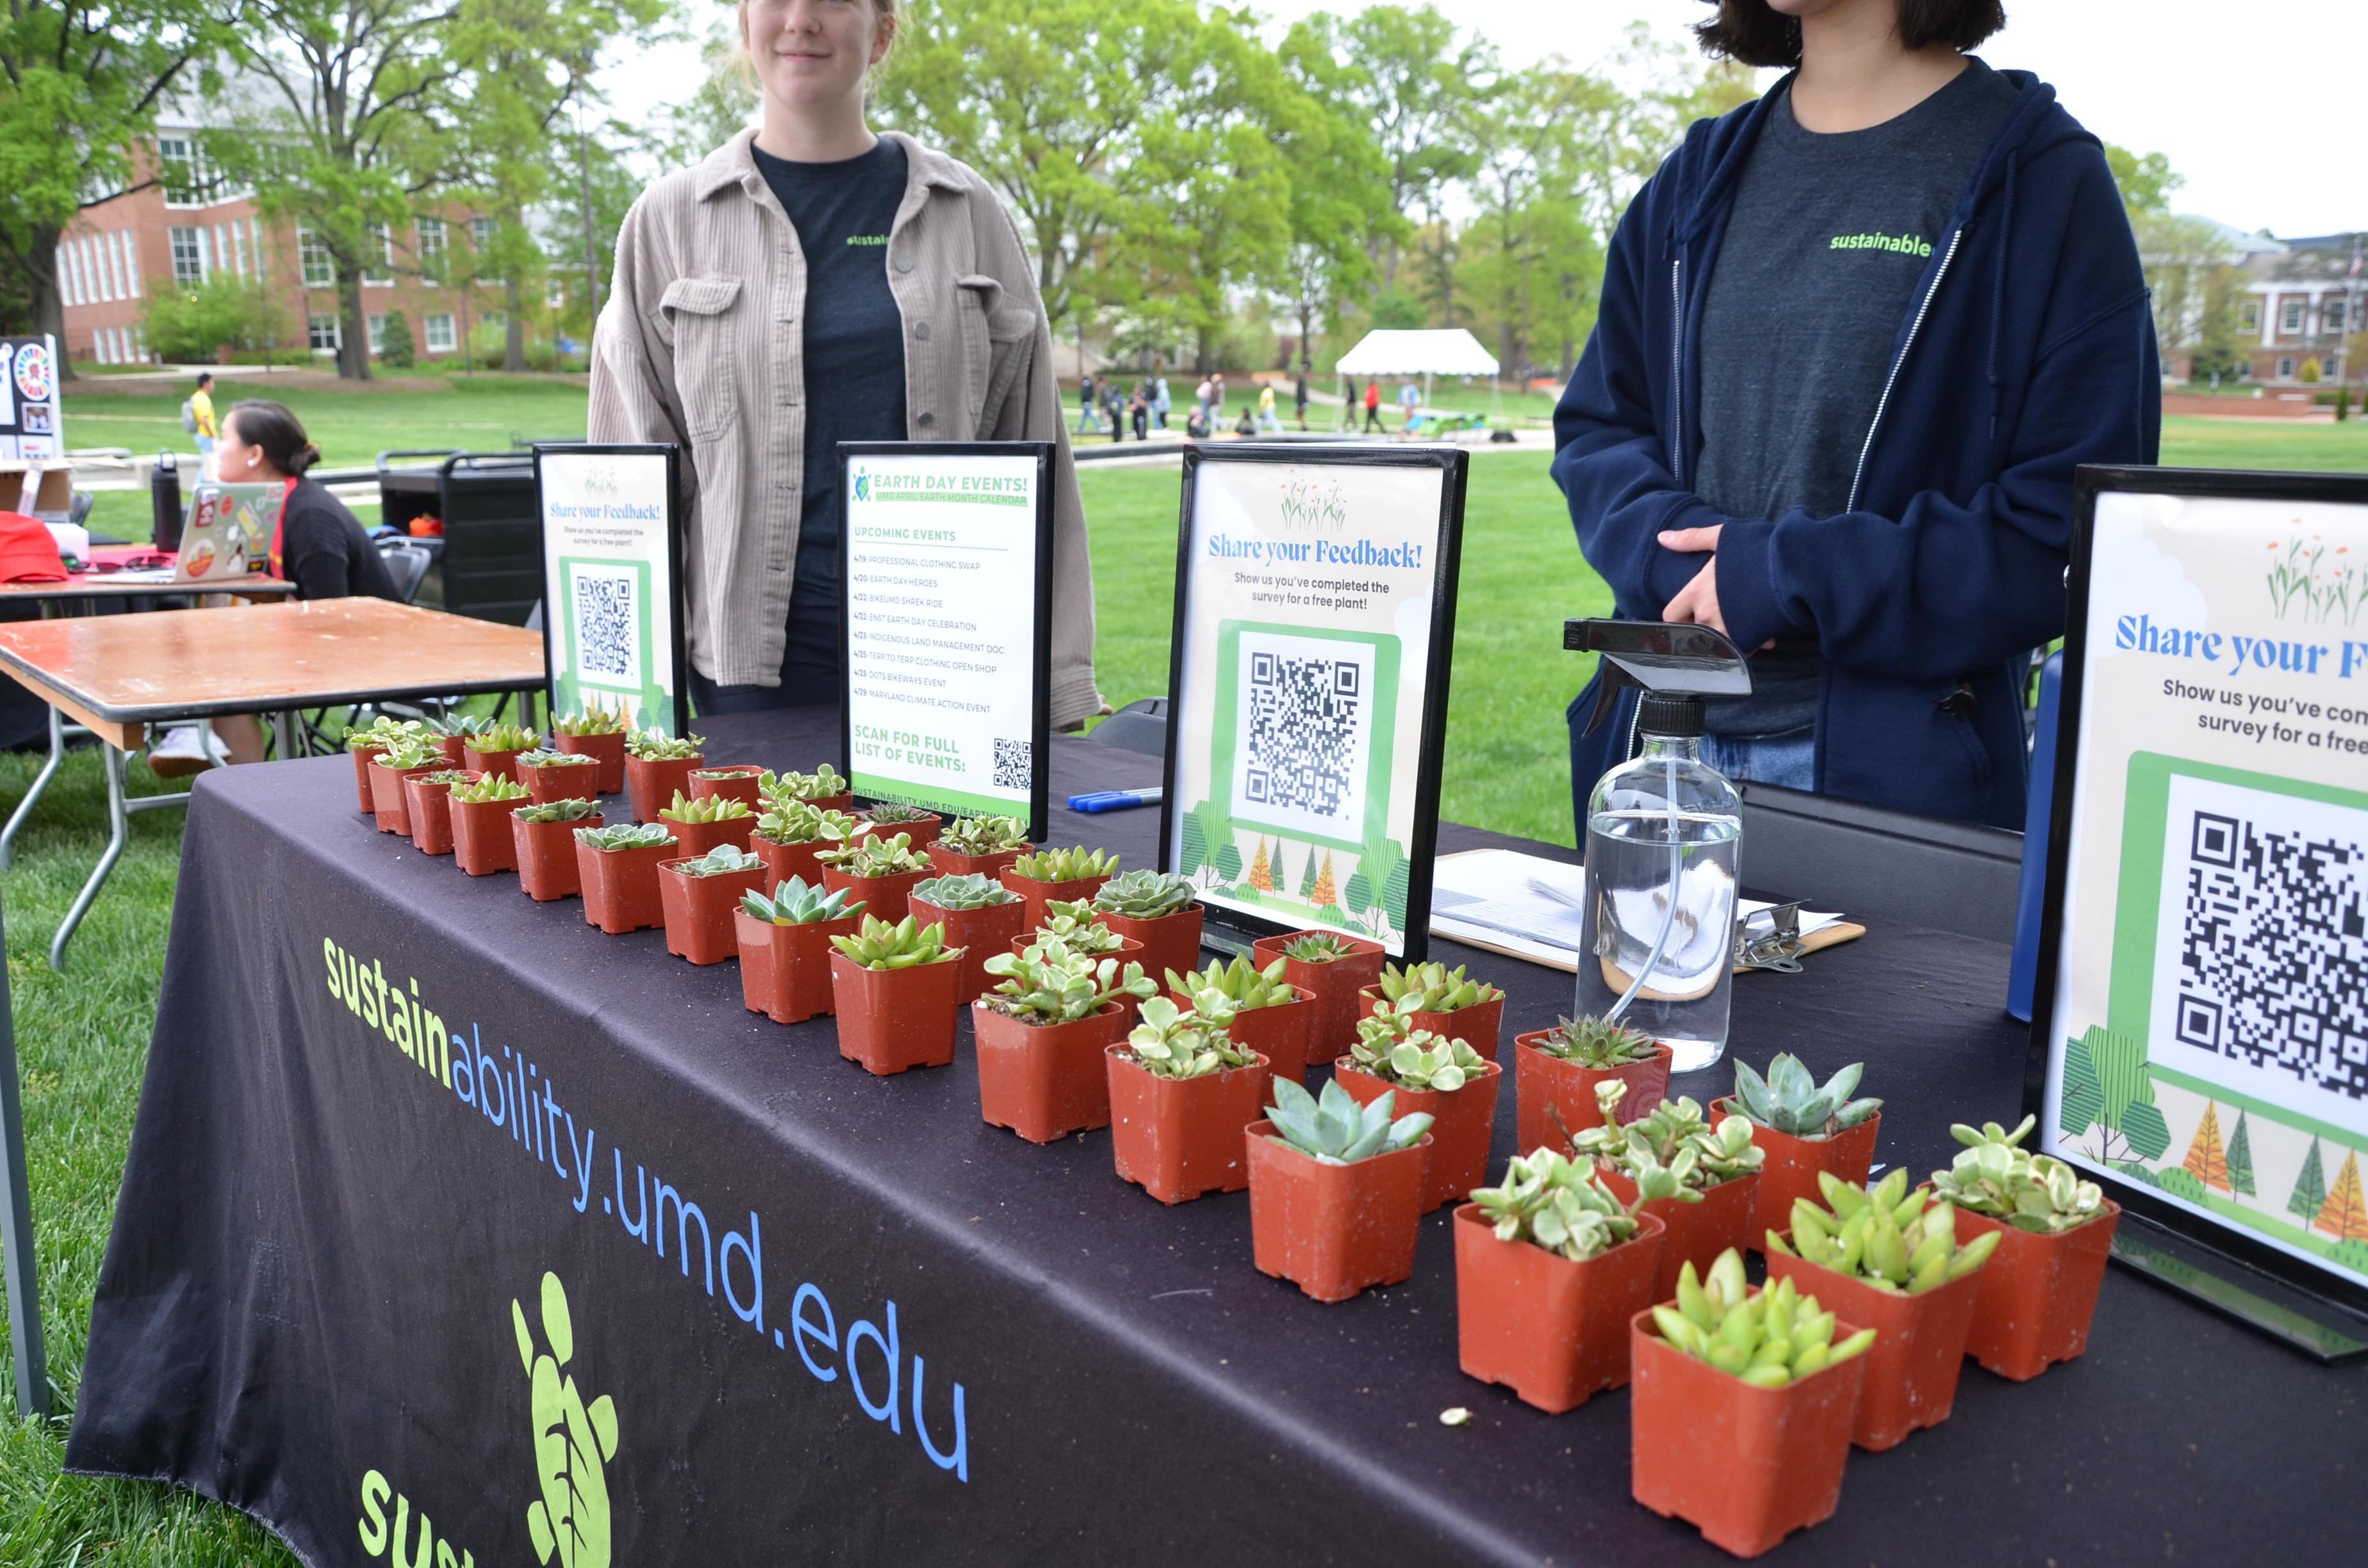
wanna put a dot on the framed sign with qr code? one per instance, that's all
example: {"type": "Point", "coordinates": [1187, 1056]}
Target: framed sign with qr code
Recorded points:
{"type": "Point", "coordinates": [612, 612]}
{"type": "Point", "coordinates": [947, 557]}
{"type": "Point", "coordinates": [2200, 1035]}
{"type": "Point", "coordinates": [1314, 618]}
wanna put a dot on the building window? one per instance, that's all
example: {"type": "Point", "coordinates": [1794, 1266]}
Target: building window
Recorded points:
{"type": "Point", "coordinates": [91, 270]}
{"type": "Point", "coordinates": [189, 181]}
{"type": "Point", "coordinates": [131, 260]}
{"type": "Point", "coordinates": [481, 240]}
{"type": "Point", "coordinates": [2249, 315]}
{"type": "Point", "coordinates": [323, 333]}
{"type": "Point", "coordinates": [189, 266]}
{"type": "Point", "coordinates": [2290, 316]}
{"type": "Point", "coordinates": [77, 265]}
{"type": "Point", "coordinates": [320, 270]}
{"type": "Point", "coordinates": [255, 241]}
{"type": "Point", "coordinates": [376, 336]}
{"type": "Point", "coordinates": [2330, 315]}
{"type": "Point", "coordinates": [439, 332]}
{"type": "Point", "coordinates": [431, 244]}
{"type": "Point", "coordinates": [65, 268]}
{"type": "Point", "coordinates": [377, 250]}
{"type": "Point", "coordinates": [99, 346]}
{"type": "Point", "coordinates": [238, 247]}
{"type": "Point", "coordinates": [2286, 368]}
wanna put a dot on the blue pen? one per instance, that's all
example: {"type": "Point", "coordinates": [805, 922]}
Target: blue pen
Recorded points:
{"type": "Point", "coordinates": [1115, 799]}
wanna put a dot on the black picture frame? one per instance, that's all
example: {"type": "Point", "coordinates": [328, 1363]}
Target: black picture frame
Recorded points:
{"type": "Point", "coordinates": [1453, 464]}
{"type": "Point", "coordinates": [1041, 689]}
{"type": "Point", "coordinates": [2202, 1235]}
{"type": "Point", "coordinates": [677, 644]}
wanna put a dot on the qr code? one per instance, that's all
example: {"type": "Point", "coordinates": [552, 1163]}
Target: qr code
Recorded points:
{"type": "Point", "coordinates": [607, 625]}
{"type": "Point", "coordinates": [2272, 940]}
{"type": "Point", "coordinates": [1015, 765]}
{"type": "Point", "coordinates": [1304, 713]}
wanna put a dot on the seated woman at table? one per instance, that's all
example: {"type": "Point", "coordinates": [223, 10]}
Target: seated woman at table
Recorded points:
{"type": "Point", "coordinates": [318, 544]}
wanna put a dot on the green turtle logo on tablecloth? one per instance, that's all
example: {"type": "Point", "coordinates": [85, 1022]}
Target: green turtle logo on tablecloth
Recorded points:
{"type": "Point", "coordinates": [573, 1442]}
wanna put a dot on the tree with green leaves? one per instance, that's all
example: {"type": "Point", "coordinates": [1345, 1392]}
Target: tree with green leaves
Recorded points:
{"type": "Point", "coordinates": [192, 323]}
{"type": "Point", "coordinates": [1341, 198]}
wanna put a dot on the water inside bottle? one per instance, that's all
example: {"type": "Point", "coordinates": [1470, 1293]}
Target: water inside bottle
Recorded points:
{"type": "Point", "coordinates": [1684, 1001]}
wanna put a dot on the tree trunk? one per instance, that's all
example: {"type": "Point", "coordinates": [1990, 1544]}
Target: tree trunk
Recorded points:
{"type": "Point", "coordinates": [513, 326]}
{"type": "Point", "coordinates": [353, 352]}
{"type": "Point", "coordinates": [49, 300]}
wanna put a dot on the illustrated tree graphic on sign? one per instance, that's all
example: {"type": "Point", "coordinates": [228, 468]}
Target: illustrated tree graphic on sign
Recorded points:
{"type": "Point", "coordinates": [1307, 875]}
{"type": "Point", "coordinates": [2240, 1158]}
{"type": "Point", "coordinates": [2205, 1160]}
{"type": "Point", "coordinates": [2310, 1188]}
{"type": "Point", "coordinates": [2107, 1086]}
{"type": "Point", "coordinates": [573, 1442]}
{"type": "Point", "coordinates": [1261, 869]}
{"type": "Point", "coordinates": [2344, 1216]}
{"type": "Point", "coordinates": [1323, 895]}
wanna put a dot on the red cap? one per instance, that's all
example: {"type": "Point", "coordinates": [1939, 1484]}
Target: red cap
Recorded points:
{"type": "Point", "coordinates": [29, 551]}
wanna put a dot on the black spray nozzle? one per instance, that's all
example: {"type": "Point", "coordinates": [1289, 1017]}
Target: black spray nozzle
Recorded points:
{"type": "Point", "coordinates": [1678, 661]}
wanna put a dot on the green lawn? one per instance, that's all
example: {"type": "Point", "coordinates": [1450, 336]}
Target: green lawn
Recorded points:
{"type": "Point", "coordinates": [480, 413]}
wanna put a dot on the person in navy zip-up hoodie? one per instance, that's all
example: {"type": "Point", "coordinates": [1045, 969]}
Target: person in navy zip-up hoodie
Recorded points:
{"type": "Point", "coordinates": [1914, 598]}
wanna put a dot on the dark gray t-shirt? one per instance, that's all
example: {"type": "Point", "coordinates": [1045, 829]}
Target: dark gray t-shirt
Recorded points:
{"type": "Point", "coordinates": [1829, 236]}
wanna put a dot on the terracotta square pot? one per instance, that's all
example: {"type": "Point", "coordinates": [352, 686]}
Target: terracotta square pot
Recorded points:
{"type": "Point", "coordinates": [2038, 1292]}
{"type": "Point", "coordinates": [980, 933]}
{"type": "Point", "coordinates": [1039, 894]}
{"type": "Point", "coordinates": [544, 853]}
{"type": "Point", "coordinates": [885, 898]}
{"type": "Point", "coordinates": [735, 782]}
{"type": "Point", "coordinates": [609, 749]}
{"type": "Point", "coordinates": [1554, 1331]}
{"type": "Point", "coordinates": [1790, 1170]}
{"type": "Point", "coordinates": [504, 763]}
{"type": "Point", "coordinates": [1541, 1081]}
{"type": "Point", "coordinates": [650, 786]}
{"type": "Point", "coordinates": [1278, 1033]}
{"type": "Point", "coordinates": [1919, 1345]}
{"type": "Point", "coordinates": [388, 802]}
{"type": "Point", "coordinates": [697, 837]}
{"type": "Point", "coordinates": [549, 782]}
{"type": "Point", "coordinates": [621, 886]}
{"type": "Point", "coordinates": [894, 1019]}
{"type": "Point", "coordinates": [363, 756]}
{"type": "Point", "coordinates": [429, 808]}
{"type": "Point", "coordinates": [923, 832]}
{"type": "Point", "coordinates": [482, 840]}
{"type": "Point", "coordinates": [785, 861]}
{"type": "Point", "coordinates": [1461, 1122]}
{"type": "Point", "coordinates": [1046, 1081]}
{"type": "Point", "coordinates": [697, 909]}
{"type": "Point", "coordinates": [1696, 1231]}
{"type": "Point", "coordinates": [1177, 1138]}
{"type": "Point", "coordinates": [785, 970]}
{"type": "Point", "coordinates": [1477, 1025]}
{"type": "Point", "coordinates": [1334, 986]}
{"type": "Point", "coordinates": [1172, 941]}
{"type": "Point", "coordinates": [954, 863]}
{"type": "Point", "coordinates": [1747, 1466]}
{"type": "Point", "coordinates": [1333, 1230]}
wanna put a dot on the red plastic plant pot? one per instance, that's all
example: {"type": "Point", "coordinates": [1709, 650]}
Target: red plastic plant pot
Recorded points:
{"type": "Point", "coordinates": [952, 862]}
{"type": "Point", "coordinates": [786, 861]}
{"type": "Point", "coordinates": [1278, 1033]}
{"type": "Point", "coordinates": [549, 782]}
{"type": "Point", "coordinates": [504, 763]}
{"type": "Point", "coordinates": [1461, 1122]}
{"type": "Point", "coordinates": [785, 970]}
{"type": "Point", "coordinates": [621, 886]}
{"type": "Point", "coordinates": [1046, 1081]}
{"type": "Point", "coordinates": [609, 749]}
{"type": "Point", "coordinates": [1477, 1025]}
{"type": "Point", "coordinates": [1334, 986]}
{"type": "Point", "coordinates": [1790, 1170]}
{"type": "Point", "coordinates": [2038, 1292]}
{"type": "Point", "coordinates": [1919, 1345]}
{"type": "Point", "coordinates": [1746, 1466]}
{"type": "Point", "coordinates": [428, 806]}
{"type": "Point", "coordinates": [650, 786]}
{"type": "Point", "coordinates": [1554, 1331]}
{"type": "Point", "coordinates": [544, 853]}
{"type": "Point", "coordinates": [697, 909]}
{"type": "Point", "coordinates": [1696, 1231]}
{"type": "Point", "coordinates": [697, 837]}
{"type": "Point", "coordinates": [1170, 941]}
{"type": "Point", "coordinates": [388, 800]}
{"type": "Point", "coordinates": [736, 782]}
{"type": "Point", "coordinates": [923, 830]}
{"type": "Point", "coordinates": [893, 1019]}
{"type": "Point", "coordinates": [482, 842]}
{"type": "Point", "coordinates": [979, 933]}
{"type": "Point", "coordinates": [885, 898]}
{"type": "Point", "coordinates": [362, 754]}
{"type": "Point", "coordinates": [1333, 1230]}
{"type": "Point", "coordinates": [1078, 890]}
{"type": "Point", "coordinates": [1541, 1081]}
{"type": "Point", "coordinates": [1177, 1138]}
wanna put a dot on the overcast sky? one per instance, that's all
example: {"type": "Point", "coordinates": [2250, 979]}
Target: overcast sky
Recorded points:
{"type": "Point", "coordinates": [2247, 101]}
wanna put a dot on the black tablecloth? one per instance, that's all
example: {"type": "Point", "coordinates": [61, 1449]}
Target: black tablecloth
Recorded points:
{"type": "Point", "coordinates": [307, 1304]}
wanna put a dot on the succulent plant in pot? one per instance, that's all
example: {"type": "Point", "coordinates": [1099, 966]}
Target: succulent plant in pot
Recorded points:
{"type": "Point", "coordinates": [542, 842]}
{"type": "Point", "coordinates": [658, 767]}
{"type": "Point", "coordinates": [881, 870]}
{"type": "Point", "coordinates": [1549, 1267]}
{"type": "Point", "coordinates": [823, 789]}
{"type": "Point", "coordinates": [1444, 1078]}
{"type": "Point", "coordinates": [1741, 1406]}
{"type": "Point", "coordinates": [790, 836]}
{"type": "Point", "coordinates": [1045, 877]}
{"type": "Point", "coordinates": [550, 775]}
{"type": "Point", "coordinates": [598, 732]}
{"type": "Point", "coordinates": [1717, 1163]}
{"type": "Point", "coordinates": [702, 825]}
{"type": "Point", "coordinates": [1448, 1002]}
{"type": "Point", "coordinates": [740, 781]}
{"type": "Point", "coordinates": [894, 986]}
{"type": "Point", "coordinates": [1155, 908]}
{"type": "Point", "coordinates": [893, 816]}
{"type": "Point", "coordinates": [1182, 1090]}
{"type": "Point", "coordinates": [2055, 1231]}
{"type": "Point", "coordinates": [1556, 1073]}
{"type": "Point", "coordinates": [452, 733]}
{"type": "Point", "coordinates": [365, 744]}
{"type": "Point", "coordinates": [477, 810]}
{"type": "Point", "coordinates": [426, 805]}
{"type": "Point", "coordinates": [411, 759]}
{"type": "Point", "coordinates": [618, 869]}
{"type": "Point", "coordinates": [1077, 927]}
{"type": "Point", "coordinates": [785, 952]}
{"type": "Point", "coordinates": [980, 846]}
{"type": "Point", "coordinates": [1335, 1190]}
{"type": "Point", "coordinates": [1805, 1129]}
{"type": "Point", "coordinates": [1041, 1031]}
{"type": "Point", "coordinates": [1335, 969]}
{"type": "Point", "coordinates": [697, 896]}
{"type": "Point", "coordinates": [1263, 1011]}
{"type": "Point", "coordinates": [1889, 1258]}
{"type": "Point", "coordinates": [981, 915]}
{"type": "Point", "coordinates": [495, 748]}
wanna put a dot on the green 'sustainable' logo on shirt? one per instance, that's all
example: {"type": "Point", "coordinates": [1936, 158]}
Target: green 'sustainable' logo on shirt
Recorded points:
{"type": "Point", "coordinates": [573, 1442]}
{"type": "Point", "coordinates": [866, 239]}
{"type": "Point", "coordinates": [1905, 244]}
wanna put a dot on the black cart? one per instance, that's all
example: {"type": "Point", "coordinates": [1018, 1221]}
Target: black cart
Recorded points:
{"type": "Point", "coordinates": [489, 561]}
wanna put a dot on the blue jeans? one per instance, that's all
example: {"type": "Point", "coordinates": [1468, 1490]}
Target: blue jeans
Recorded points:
{"type": "Point", "coordinates": [1788, 761]}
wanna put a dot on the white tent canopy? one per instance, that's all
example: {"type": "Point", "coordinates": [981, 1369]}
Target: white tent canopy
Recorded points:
{"type": "Point", "coordinates": [1453, 352]}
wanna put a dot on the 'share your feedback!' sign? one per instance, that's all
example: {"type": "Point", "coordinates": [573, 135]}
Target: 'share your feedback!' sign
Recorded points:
{"type": "Point", "coordinates": [948, 563]}
{"type": "Point", "coordinates": [612, 601]}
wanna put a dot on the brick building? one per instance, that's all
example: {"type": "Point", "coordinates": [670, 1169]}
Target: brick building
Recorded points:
{"type": "Point", "coordinates": [2303, 302]}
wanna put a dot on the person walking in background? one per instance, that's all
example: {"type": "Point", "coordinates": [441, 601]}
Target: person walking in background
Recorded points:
{"type": "Point", "coordinates": [1085, 423]}
{"type": "Point", "coordinates": [1160, 404]}
{"type": "Point", "coordinates": [1217, 399]}
{"type": "Point", "coordinates": [1348, 405]}
{"type": "Point", "coordinates": [1374, 408]}
{"type": "Point", "coordinates": [1138, 409]}
{"type": "Point", "coordinates": [1114, 405]}
{"type": "Point", "coordinates": [200, 416]}
{"type": "Point", "coordinates": [1204, 398]}
{"type": "Point", "coordinates": [1410, 401]}
{"type": "Point", "coordinates": [1299, 397]}
{"type": "Point", "coordinates": [1266, 417]}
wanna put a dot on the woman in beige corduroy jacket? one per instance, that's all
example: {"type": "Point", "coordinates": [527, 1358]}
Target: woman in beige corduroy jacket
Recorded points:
{"type": "Point", "coordinates": [809, 283]}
